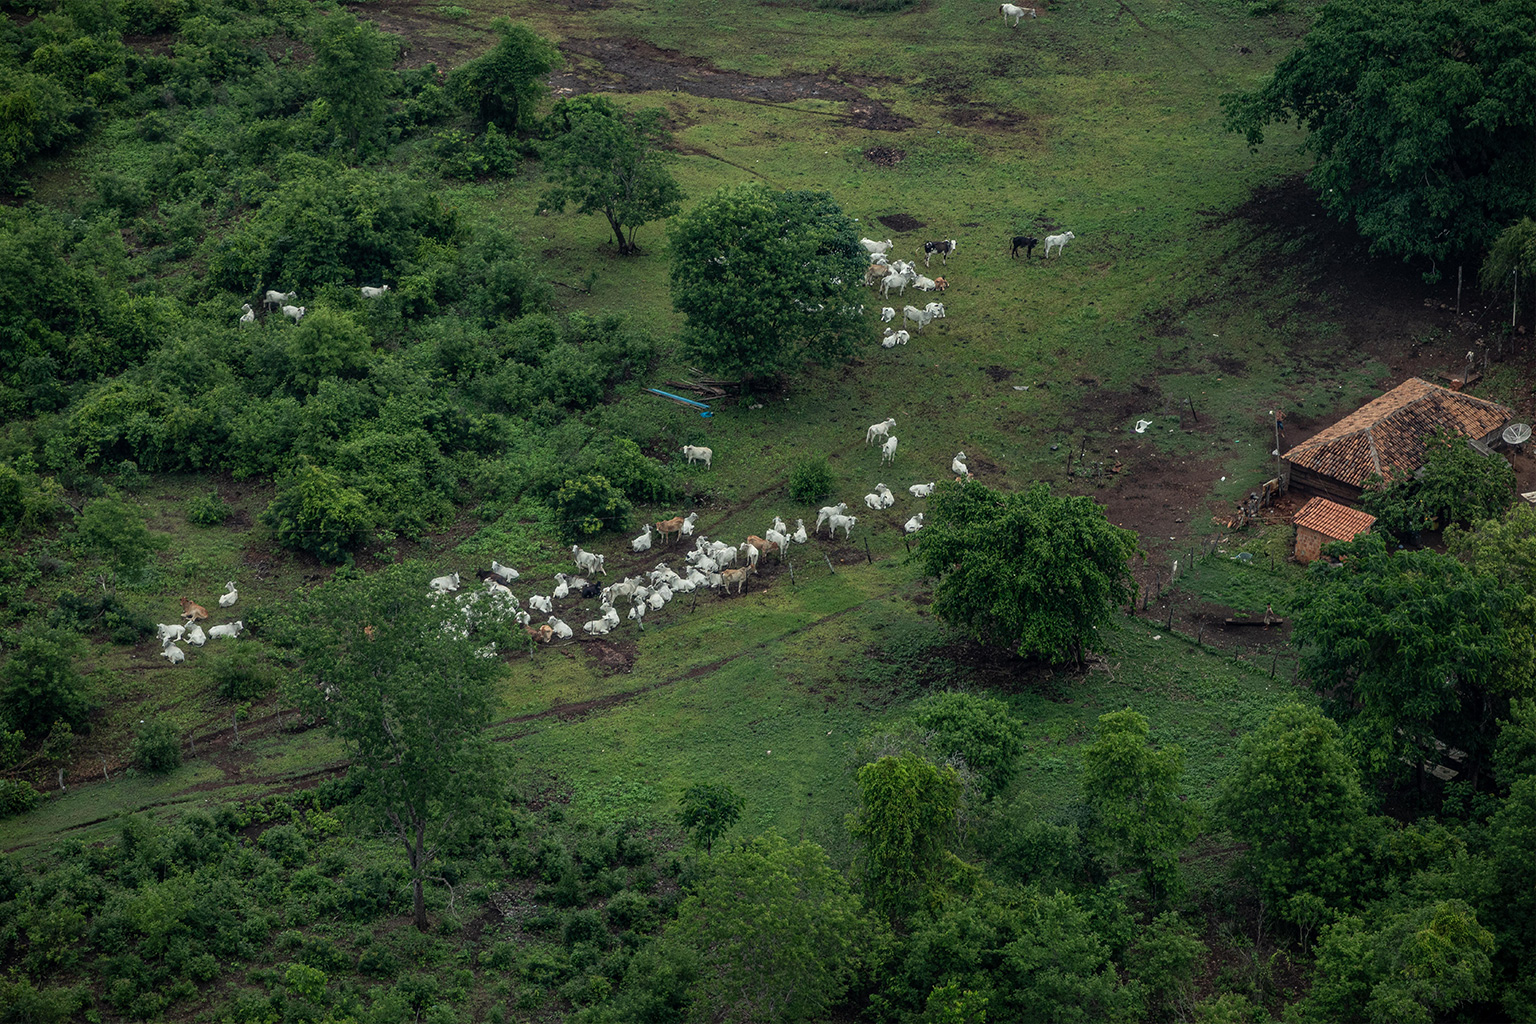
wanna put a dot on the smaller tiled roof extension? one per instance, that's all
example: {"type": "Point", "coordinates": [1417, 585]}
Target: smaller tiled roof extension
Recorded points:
{"type": "Point", "coordinates": [1388, 434]}
{"type": "Point", "coordinates": [1333, 520]}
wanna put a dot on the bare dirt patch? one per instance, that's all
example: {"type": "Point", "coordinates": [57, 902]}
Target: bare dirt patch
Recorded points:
{"type": "Point", "coordinates": [901, 222]}
{"type": "Point", "coordinates": [430, 36]}
{"type": "Point", "coordinates": [627, 64]}
{"type": "Point", "coordinates": [885, 156]}
{"type": "Point", "coordinates": [610, 657]}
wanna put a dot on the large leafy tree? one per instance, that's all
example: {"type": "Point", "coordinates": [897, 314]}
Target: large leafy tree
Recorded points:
{"type": "Point", "coordinates": [905, 823]}
{"type": "Point", "coordinates": [607, 161]}
{"type": "Point", "coordinates": [766, 280]}
{"type": "Point", "coordinates": [409, 692]}
{"type": "Point", "coordinates": [39, 684]}
{"type": "Point", "coordinates": [775, 933]}
{"type": "Point", "coordinates": [1133, 789]}
{"type": "Point", "coordinates": [353, 75]}
{"type": "Point", "coordinates": [1406, 648]}
{"type": "Point", "coordinates": [1295, 799]}
{"type": "Point", "coordinates": [1420, 114]}
{"type": "Point", "coordinates": [505, 85]}
{"type": "Point", "coordinates": [1031, 570]}
{"type": "Point", "coordinates": [1505, 549]}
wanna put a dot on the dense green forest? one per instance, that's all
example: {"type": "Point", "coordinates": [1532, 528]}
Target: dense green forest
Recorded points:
{"type": "Point", "coordinates": [281, 302]}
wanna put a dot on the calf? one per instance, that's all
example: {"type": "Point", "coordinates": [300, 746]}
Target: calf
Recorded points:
{"type": "Point", "coordinates": [1058, 242]}
{"type": "Point", "coordinates": [1025, 242]}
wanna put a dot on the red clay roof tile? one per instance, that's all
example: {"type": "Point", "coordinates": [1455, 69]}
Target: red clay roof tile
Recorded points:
{"type": "Point", "coordinates": [1331, 519]}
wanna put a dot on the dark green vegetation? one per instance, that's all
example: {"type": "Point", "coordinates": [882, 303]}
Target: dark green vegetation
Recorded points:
{"type": "Point", "coordinates": [1134, 825]}
{"type": "Point", "coordinates": [1420, 117]}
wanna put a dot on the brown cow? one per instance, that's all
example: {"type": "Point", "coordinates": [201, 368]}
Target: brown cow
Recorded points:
{"type": "Point", "coordinates": [192, 611]}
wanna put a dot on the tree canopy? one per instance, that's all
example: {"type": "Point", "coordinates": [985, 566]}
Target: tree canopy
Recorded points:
{"type": "Point", "coordinates": [1406, 648]}
{"type": "Point", "coordinates": [504, 85]}
{"type": "Point", "coordinates": [353, 76]}
{"type": "Point", "coordinates": [408, 690]}
{"type": "Point", "coordinates": [766, 281]}
{"type": "Point", "coordinates": [608, 161]}
{"type": "Point", "coordinates": [775, 932]}
{"type": "Point", "coordinates": [1031, 570]}
{"type": "Point", "coordinates": [1419, 113]}
{"type": "Point", "coordinates": [1132, 788]}
{"type": "Point", "coordinates": [905, 823]}
{"type": "Point", "coordinates": [1295, 799]}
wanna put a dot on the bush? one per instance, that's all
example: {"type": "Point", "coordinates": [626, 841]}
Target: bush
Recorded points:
{"type": "Point", "coordinates": [314, 511]}
{"type": "Point", "coordinates": [979, 730]}
{"type": "Point", "coordinates": [811, 481]}
{"type": "Point", "coordinates": [240, 677]}
{"type": "Point", "coordinates": [157, 747]}
{"type": "Point", "coordinates": [208, 509]}
{"type": "Point", "coordinates": [39, 684]}
{"type": "Point", "coordinates": [286, 845]}
{"type": "Point", "coordinates": [16, 797]}
{"type": "Point", "coordinates": [589, 505]}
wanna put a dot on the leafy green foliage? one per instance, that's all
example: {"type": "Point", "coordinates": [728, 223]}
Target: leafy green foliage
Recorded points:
{"type": "Point", "coordinates": [1458, 486]}
{"type": "Point", "coordinates": [978, 730]}
{"type": "Point", "coordinates": [314, 511]}
{"type": "Point", "coordinates": [1505, 549]}
{"type": "Point", "coordinates": [157, 747]}
{"type": "Point", "coordinates": [208, 509]}
{"type": "Point", "coordinates": [811, 481]}
{"type": "Point", "coordinates": [708, 811]}
{"type": "Point", "coordinates": [1417, 966]}
{"type": "Point", "coordinates": [352, 75]}
{"type": "Point", "coordinates": [1512, 253]}
{"type": "Point", "coordinates": [1030, 570]}
{"type": "Point", "coordinates": [113, 531]}
{"type": "Point", "coordinates": [1164, 961]}
{"type": "Point", "coordinates": [1295, 799]}
{"type": "Point", "coordinates": [774, 931]}
{"type": "Point", "coordinates": [505, 85]}
{"type": "Point", "coordinates": [409, 700]}
{"type": "Point", "coordinates": [1406, 649]}
{"type": "Point", "coordinates": [1415, 113]}
{"type": "Point", "coordinates": [905, 822]}
{"type": "Point", "coordinates": [1132, 788]}
{"type": "Point", "coordinates": [753, 274]}
{"type": "Point", "coordinates": [1031, 955]}
{"type": "Point", "coordinates": [588, 505]}
{"type": "Point", "coordinates": [607, 161]}
{"type": "Point", "coordinates": [39, 683]}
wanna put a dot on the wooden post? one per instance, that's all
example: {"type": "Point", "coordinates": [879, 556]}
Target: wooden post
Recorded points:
{"type": "Point", "coordinates": [867, 556]}
{"type": "Point", "coordinates": [1199, 632]}
{"type": "Point", "coordinates": [1276, 659]}
{"type": "Point", "coordinates": [104, 776]}
{"type": "Point", "coordinates": [829, 563]}
{"type": "Point", "coordinates": [791, 566]}
{"type": "Point", "coordinates": [1458, 291]}
{"type": "Point", "coordinates": [1169, 626]}
{"type": "Point", "coordinates": [1192, 412]}
{"type": "Point", "coordinates": [61, 779]}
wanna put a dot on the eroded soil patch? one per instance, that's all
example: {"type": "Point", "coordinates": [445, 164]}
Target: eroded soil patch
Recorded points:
{"type": "Point", "coordinates": [634, 65]}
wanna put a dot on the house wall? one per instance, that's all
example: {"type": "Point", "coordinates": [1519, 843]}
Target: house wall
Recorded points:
{"type": "Point", "coordinates": [1309, 544]}
{"type": "Point", "coordinates": [1310, 482]}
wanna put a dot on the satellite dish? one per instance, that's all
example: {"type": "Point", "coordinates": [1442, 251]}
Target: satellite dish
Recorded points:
{"type": "Point", "coordinates": [1517, 433]}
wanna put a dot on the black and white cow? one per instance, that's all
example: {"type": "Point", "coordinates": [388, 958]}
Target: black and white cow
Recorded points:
{"type": "Point", "coordinates": [943, 248]}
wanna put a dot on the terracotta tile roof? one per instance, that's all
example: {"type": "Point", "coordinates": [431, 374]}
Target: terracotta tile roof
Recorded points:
{"type": "Point", "coordinates": [1389, 432]}
{"type": "Point", "coordinates": [1331, 519]}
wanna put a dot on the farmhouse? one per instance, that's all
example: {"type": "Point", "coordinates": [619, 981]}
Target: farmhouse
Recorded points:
{"type": "Point", "coordinates": [1387, 437]}
{"type": "Point", "coordinates": [1321, 521]}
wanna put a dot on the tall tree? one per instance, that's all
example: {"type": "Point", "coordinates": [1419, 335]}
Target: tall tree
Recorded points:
{"type": "Point", "coordinates": [905, 823]}
{"type": "Point", "coordinates": [1133, 789]}
{"type": "Point", "coordinates": [1295, 799]}
{"type": "Point", "coordinates": [114, 532]}
{"type": "Point", "coordinates": [1505, 549]}
{"type": "Point", "coordinates": [352, 74]}
{"type": "Point", "coordinates": [766, 281]}
{"type": "Point", "coordinates": [409, 692]}
{"type": "Point", "coordinates": [1419, 112]}
{"type": "Point", "coordinates": [1031, 570]}
{"type": "Point", "coordinates": [610, 162]}
{"type": "Point", "coordinates": [1407, 650]}
{"type": "Point", "coordinates": [505, 85]}
{"type": "Point", "coordinates": [775, 932]}
{"type": "Point", "coordinates": [708, 811]}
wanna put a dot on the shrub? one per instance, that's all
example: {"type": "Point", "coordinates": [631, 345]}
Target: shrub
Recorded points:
{"type": "Point", "coordinates": [16, 797]}
{"type": "Point", "coordinates": [157, 747]}
{"type": "Point", "coordinates": [39, 684]}
{"type": "Point", "coordinates": [589, 505]}
{"type": "Point", "coordinates": [241, 676]}
{"type": "Point", "coordinates": [314, 511]}
{"type": "Point", "coordinates": [811, 481]}
{"type": "Point", "coordinates": [285, 844]}
{"type": "Point", "coordinates": [979, 730]}
{"type": "Point", "coordinates": [208, 509]}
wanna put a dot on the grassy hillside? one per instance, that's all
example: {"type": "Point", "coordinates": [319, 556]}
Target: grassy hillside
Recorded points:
{"type": "Point", "coordinates": [1203, 290]}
